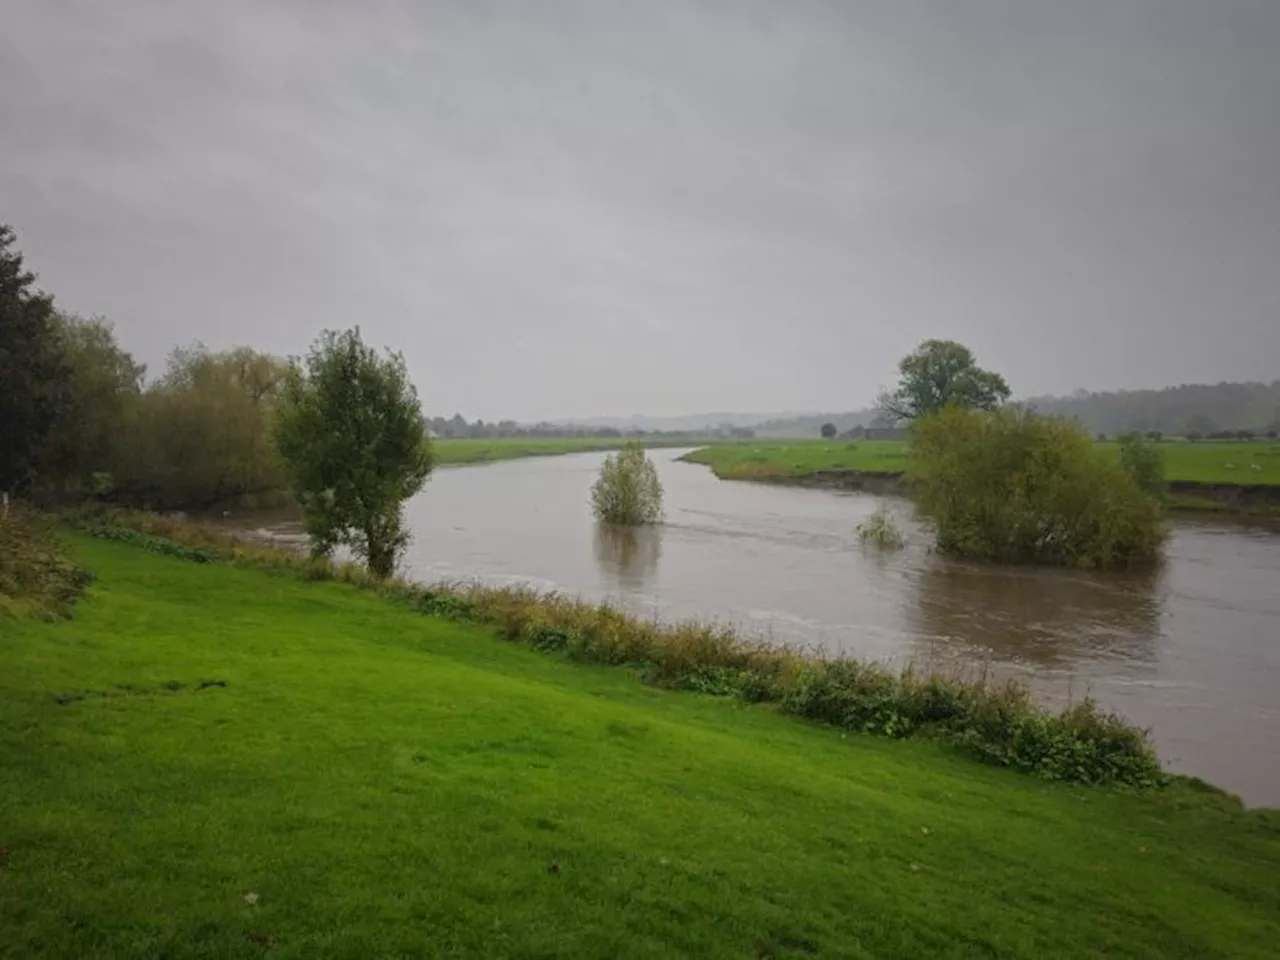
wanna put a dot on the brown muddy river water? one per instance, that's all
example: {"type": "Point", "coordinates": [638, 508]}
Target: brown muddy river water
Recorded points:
{"type": "Point", "coordinates": [1191, 651]}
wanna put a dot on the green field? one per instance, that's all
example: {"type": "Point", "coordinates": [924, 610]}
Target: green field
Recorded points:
{"type": "Point", "coordinates": [219, 762]}
{"type": "Point", "coordinates": [766, 459]}
{"type": "Point", "coordinates": [1204, 462]}
{"type": "Point", "coordinates": [514, 448]}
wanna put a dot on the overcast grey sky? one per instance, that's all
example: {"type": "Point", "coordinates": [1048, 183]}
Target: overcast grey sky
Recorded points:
{"type": "Point", "coordinates": [561, 209]}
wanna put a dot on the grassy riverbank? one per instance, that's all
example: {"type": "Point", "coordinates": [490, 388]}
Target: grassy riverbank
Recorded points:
{"type": "Point", "coordinates": [207, 761]}
{"type": "Point", "coordinates": [774, 460]}
{"type": "Point", "coordinates": [1205, 474]}
{"type": "Point", "coordinates": [514, 448]}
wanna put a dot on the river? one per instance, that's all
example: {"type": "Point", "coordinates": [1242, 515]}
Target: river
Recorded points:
{"type": "Point", "coordinates": [1191, 651]}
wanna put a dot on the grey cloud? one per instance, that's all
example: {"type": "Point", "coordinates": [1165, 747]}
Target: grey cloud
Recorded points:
{"type": "Point", "coordinates": [576, 208]}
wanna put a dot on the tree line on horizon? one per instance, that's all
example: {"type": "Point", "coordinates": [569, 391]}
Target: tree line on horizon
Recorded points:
{"type": "Point", "coordinates": [1199, 411]}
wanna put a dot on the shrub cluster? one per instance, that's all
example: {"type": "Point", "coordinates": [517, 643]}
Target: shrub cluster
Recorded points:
{"type": "Point", "coordinates": [628, 490]}
{"type": "Point", "coordinates": [882, 531]}
{"type": "Point", "coordinates": [1011, 486]}
{"type": "Point", "coordinates": [995, 722]}
{"type": "Point", "coordinates": [147, 541]}
{"type": "Point", "coordinates": [36, 578]}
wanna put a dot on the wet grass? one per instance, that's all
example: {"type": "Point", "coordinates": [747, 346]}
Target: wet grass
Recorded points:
{"type": "Point", "coordinates": [482, 451]}
{"type": "Point", "coordinates": [210, 761]}
{"type": "Point", "coordinates": [1211, 462]}
{"type": "Point", "coordinates": [753, 460]}
{"type": "Point", "coordinates": [1207, 462]}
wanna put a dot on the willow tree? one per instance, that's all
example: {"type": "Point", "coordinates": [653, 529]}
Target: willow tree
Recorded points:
{"type": "Point", "coordinates": [354, 443]}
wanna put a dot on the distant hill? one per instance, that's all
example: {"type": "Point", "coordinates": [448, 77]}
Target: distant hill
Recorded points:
{"type": "Point", "coordinates": [1177, 411]}
{"type": "Point", "coordinates": [692, 422]}
{"type": "Point", "coordinates": [810, 424]}
{"type": "Point", "coordinates": [780, 425]}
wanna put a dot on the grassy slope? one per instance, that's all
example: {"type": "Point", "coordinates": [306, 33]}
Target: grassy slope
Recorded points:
{"type": "Point", "coordinates": [1205, 462]}
{"type": "Point", "coordinates": [392, 785]}
{"type": "Point", "coordinates": [476, 451]}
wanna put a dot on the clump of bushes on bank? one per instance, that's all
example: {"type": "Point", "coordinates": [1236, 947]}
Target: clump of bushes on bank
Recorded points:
{"type": "Point", "coordinates": [36, 577]}
{"type": "Point", "coordinates": [1011, 486]}
{"type": "Point", "coordinates": [995, 722]}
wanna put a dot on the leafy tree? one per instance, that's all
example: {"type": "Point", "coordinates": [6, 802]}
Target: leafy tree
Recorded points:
{"type": "Point", "coordinates": [829, 431]}
{"type": "Point", "coordinates": [203, 431]}
{"type": "Point", "coordinates": [355, 447]}
{"type": "Point", "coordinates": [939, 374]}
{"type": "Point", "coordinates": [1012, 486]}
{"type": "Point", "coordinates": [98, 409]}
{"type": "Point", "coordinates": [628, 490]}
{"type": "Point", "coordinates": [32, 372]}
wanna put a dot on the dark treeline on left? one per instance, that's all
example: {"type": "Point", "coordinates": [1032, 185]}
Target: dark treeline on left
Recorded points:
{"type": "Point", "coordinates": [79, 417]}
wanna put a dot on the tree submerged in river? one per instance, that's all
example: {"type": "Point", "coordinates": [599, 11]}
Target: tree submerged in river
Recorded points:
{"type": "Point", "coordinates": [1011, 486]}
{"type": "Point", "coordinates": [628, 491]}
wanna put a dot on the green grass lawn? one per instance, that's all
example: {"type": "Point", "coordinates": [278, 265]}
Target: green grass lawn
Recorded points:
{"type": "Point", "coordinates": [1203, 462]}
{"type": "Point", "coordinates": [513, 448]}
{"type": "Point", "coordinates": [384, 784]}
{"type": "Point", "coordinates": [768, 458]}
{"type": "Point", "coordinates": [1222, 462]}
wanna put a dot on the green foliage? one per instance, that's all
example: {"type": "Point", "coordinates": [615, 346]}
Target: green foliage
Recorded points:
{"type": "Point", "coordinates": [32, 372]}
{"type": "Point", "coordinates": [1012, 486]}
{"type": "Point", "coordinates": [882, 531]}
{"type": "Point", "coordinates": [37, 579]}
{"type": "Point", "coordinates": [87, 446]}
{"type": "Point", "coordinates": [998, 723]}
{"type": "Point", "coordinates": [1143, 460]}
{"type": "Point", "coordinates": [203, 433]}
{"type": "Point", "coordinates": [940, 374]}
{"type": "Point", "coordinates": [829, 431]}
{"type": "Point", "coordinates": [627, 491]}
{"type": "Point", "coordinates": [147, 541]}
{"type": "Point", "coordinates": [355, 447]}
{"type": "Point", "coordinates": [199, 435]}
